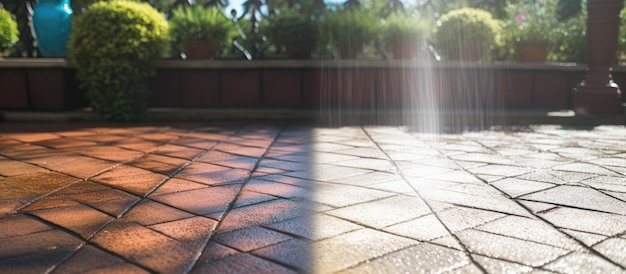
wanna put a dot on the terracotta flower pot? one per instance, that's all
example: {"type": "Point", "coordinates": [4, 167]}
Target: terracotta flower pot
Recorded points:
{"type": "Point", "coordinates": [531, 53]}
{"type": "Point", "coordinates": [200, 50]}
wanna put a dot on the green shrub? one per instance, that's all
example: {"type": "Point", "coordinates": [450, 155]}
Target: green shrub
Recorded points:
{"type": "Point", "coordinates": [400, 27]}
{"type": "Point", "coordinates": [298, 33]}
{"type": "Point", "coordinates": [193, 24]}
{"type": "Point", "coordinates": [570, 40]}
{"type": "Point", "coordinates": [8, 30]}
{"type": "Point", "coordinates": [111, 45]}
{"type": "Point", "coordinates": [466, 27]}
{"type": "Point", "coordinates": [349, 30]}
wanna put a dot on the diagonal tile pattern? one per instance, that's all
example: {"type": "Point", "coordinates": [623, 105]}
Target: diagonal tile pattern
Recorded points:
{"type": "Point", "coordinates": [274, 198]}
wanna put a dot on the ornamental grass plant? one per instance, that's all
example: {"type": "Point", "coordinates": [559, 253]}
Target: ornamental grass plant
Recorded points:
{"type": "Point", "coordinates": [195, 24]}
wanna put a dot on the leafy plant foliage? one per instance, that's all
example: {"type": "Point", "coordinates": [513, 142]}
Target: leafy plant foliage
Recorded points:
{"type": "Point", "coordinates": [192, 24]}
{"type": "Point", "coordinates": [8, 30]}
{"type": "Point", "coordinates": [465, 27]}
{"type": "Point", "coordinates": [298, 33]}
{"type": "Point", "coordinates": [350, 29]}
{"type": "Point", "coordinates": [111, 45]}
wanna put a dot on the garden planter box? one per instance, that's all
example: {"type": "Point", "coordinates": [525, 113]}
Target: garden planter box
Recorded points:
{"type": "Point", "coordinates": [14, 93]}
{"type": "Point", "coordinates": [368, 85]}
{"type": "Point", "coordinates": [38, 84]}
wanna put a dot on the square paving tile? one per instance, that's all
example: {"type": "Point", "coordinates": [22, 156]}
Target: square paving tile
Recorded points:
{"type": "Point", "coordinates": [613, 249]}
{"type": "Point", "coordinates": [278, 189]}
{"type": "Point", "coordinates": [13, 168]}
{"type": "Point", "coordinates": [80, 219]}
{"type": "Point", "coordinates": [45, 261]}
{"type": "Point", "coordinates": [193, 142]}
{"type": "Point", "coordinates": [146, 247]}
{"type": "Point", "coordinates": [248, 197]}
{"type": "Point", "coordinates": [315, 227]}
{"type": "Point", "coordinates": [327, 172]}
{"type": "Point", "coordinates": [140, 184]}
{"type": "Point", "coordinates": [174, 185]}
{"type": "Point", "coordinates": [371, 164]}
{"type": "Point", "coordinates": [251, 238]}
{"type": "Point", "coordinates": [84, 167]}
{"type": "Point", "coordinates": [531, 230]}
{"type": "Point", "coordinates": [424, 228]}
{"type": "Point", "coordinates": [422, 258]}
{"type": "Point", "coordinates": [33, 182]}
{"type": "Point", "coordinates": [263, 213]}
{"type": "Point", "coordinates": [368, 178]}
{"type": "Point", "coordinates": [18, 225]}
{"type": "Point", "coordinates": [138, 144]}
{"type": "Point", "coordinates": [38, 242]}
{"type": "Point", "coordinates": [149, 213]}
{"type": "Point", "coordinates": [378, 213]}
{"type": "Point", "coordinates": [52, 159]}
{"type": "Point", "coordinates": [182, 152]}
{"type": "Point", "coordinates": [92, 259]}
{"type": "Point", "coordinates": [340, 196]}
{"type": "Point", "coordinates": [516, 187]}
{"type": "Point", "coordinates": [460, 218]}
{"type": "Point", "coordinates": [350, 249]}
{"type": "Point", "coordinates": [500, 266]}
{"type": "Point", "coordinates": [296, 253]}
{"type": "Point", "coordinates": [215, 251]}
{"type": "Point", "coordinates": [495, 204]}
{"type": "Point", "coordinates": [511, 249]}
{"type": "Point", "coordinates": [110, 153]}
{"type": "Point", "coordinates": [582, 263]}
{"type": "Point", "coordinates": [243, 263]}
{"type": "Point", "coordinates": [201, 201]}
{"type": "Point", "coordinates": [240, 150]}
{"type": "Point", "coordinates": [500, 170]}
{"type": "Point", "coordinates": [284, 165]}
{"type": "Point", "coordinates": [222, 177]}
{"type": "Point", "coordinates": [579, 197]}
{"type": "Point", "coordinates": [194, 231]}
{"type": "Point", "coordinates": [161, 164]}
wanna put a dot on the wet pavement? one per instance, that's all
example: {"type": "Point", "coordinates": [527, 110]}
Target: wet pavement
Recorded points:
{"type": "Point", "coordinates": [281, 198]}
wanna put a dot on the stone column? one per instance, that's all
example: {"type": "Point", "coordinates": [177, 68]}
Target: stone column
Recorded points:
{"type": "Point", "coordinates": [598, 94]}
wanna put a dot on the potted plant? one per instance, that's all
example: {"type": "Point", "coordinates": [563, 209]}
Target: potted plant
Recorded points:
{"type": "Point", "coordinates": [8, 31]}
{"type": "Point", "coordinates": [531, 28]}
{"type": "Point", "coordinates": [295, 32]}
{"type": "Point", "coordinates": [404, 35]}
{"type": "Point", "coordinates": [349, 30]}
{"type": "Point", "coordinates": [112, 46]}
{"type": "Point", "coordinates": [466, 34]}
{"type": "Point", "coordinates": [200, 32]}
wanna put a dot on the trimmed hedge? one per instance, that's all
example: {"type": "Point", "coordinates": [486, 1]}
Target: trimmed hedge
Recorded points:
{"type": "Point", "coordinates": [112, 44]}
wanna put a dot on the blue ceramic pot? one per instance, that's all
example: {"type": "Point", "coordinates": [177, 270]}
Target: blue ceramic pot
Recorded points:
{"type": "Point", "coordinates": [51, 22]}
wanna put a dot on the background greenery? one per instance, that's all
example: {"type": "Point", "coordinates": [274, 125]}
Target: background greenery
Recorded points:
{"type": "Point", "coordinates": [565, 19]}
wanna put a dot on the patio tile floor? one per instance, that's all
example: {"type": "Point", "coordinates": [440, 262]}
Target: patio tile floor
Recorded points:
{"type": "Point", "coordinates": [284, 198]}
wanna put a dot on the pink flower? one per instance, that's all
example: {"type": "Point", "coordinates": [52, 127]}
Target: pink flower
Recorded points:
{"type": "Point", "coordinates": [520, 17]}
